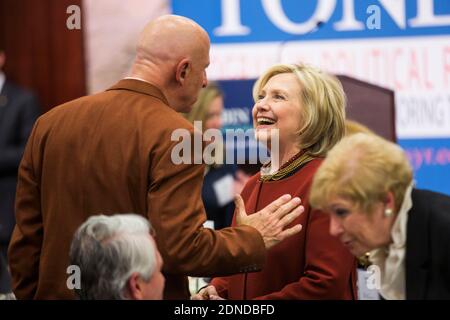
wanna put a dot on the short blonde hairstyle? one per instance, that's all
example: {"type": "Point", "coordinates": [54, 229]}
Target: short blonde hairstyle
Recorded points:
{"type": "Point", "coordinates": [200, 109]}
{"type": "Point", "coordinates": [362, 168]}
{"type": "Point", "coordinates": [323, 100]}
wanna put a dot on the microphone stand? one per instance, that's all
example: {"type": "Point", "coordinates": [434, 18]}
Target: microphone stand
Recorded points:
{"type": "Point", "coordinates": [283, 43]}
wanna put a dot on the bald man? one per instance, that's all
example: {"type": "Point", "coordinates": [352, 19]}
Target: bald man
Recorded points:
{"type": "Point", "coordinates": [111, 152]}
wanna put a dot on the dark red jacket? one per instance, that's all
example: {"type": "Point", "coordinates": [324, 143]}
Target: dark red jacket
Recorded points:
{"type": "Point", "coordinates": [309, 265]}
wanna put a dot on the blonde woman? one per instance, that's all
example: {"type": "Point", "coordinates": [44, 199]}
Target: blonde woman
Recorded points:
{"type": "Point", "coordinates": [306, 106]}
{"type": "Point", "coordinates": [366, 185]}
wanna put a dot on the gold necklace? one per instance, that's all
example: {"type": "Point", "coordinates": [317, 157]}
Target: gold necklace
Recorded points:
{"type": "Point", "coordinates": [290, 166]}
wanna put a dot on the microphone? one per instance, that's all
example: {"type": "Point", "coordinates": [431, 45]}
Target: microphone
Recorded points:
{"type": "Point", "coordinates": [318, 25]}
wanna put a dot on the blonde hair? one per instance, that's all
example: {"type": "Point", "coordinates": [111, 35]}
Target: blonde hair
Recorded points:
{"type": "Point", "coordinates": [323, 112]}
{"type": "Point", "coordinates": [362, 168]}
{"type": "Point", "coordinates": [353, 127]}
{"type": "Point", "coordinates": [200, 110]}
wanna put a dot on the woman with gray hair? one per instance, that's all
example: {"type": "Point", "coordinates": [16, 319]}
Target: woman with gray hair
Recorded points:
{"type": "Point", "coordinates": [366, 185]}
{"type": "Point", "coordinates": [117, 258]}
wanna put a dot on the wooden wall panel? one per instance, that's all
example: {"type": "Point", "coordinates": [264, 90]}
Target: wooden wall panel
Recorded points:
{"type": "Point", "coordinates": [42, 54]}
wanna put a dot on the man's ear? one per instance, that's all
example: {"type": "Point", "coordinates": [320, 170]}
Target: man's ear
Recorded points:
{"type": "Point", "coordinates": [134, 289]}
{"type": "Point", "coordinates": [182, 69]}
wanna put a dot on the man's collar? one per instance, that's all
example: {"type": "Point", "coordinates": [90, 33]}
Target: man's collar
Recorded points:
{"type": "Point", "coordinates": [141, 86]}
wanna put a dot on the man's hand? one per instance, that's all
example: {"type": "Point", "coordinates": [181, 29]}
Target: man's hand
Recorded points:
{"type": "Point", "coordinates": [207, 293]}
{"type": "Point", "coordinates": [271, 220]}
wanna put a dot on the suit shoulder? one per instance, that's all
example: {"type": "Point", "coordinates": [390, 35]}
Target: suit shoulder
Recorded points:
{"type": "Point", "coordinates": [174, 119]}
{"type": "Point", "coordinates": [13, 89]}
{"type": "Point", "coordinates": [437, 205]}
{"type": "Point", "coordinates": [152, 109]}
{"type": "Point", "coordinates": [431, 198]}
{"type": "Point", "coordinates": [62, 109]}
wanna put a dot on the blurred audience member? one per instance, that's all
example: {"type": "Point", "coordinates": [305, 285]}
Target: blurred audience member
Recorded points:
{"type": "Point", "coordinates": [366, 184]}
{"type": "Point", "coordinates": [18, 111]}
{"type": "Point", "coordinates": [218, 184]}
{"type": "Point", "coordinates": [118, 259]}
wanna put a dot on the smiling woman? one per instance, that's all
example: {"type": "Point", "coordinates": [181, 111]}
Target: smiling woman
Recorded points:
{"type": "Point", "coordinates": [278, 106]}
{"type": "Point", "coordinates": [306, 107]}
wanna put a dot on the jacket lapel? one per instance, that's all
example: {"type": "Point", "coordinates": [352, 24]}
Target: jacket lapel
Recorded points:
{"type": "Point", "coordinates": [417, 249]}
{"type": "Point", "coordinates": [4, 101]}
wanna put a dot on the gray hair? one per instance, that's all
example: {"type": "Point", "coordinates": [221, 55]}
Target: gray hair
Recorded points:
{"type": "Point", "coordinates": [108, 250]}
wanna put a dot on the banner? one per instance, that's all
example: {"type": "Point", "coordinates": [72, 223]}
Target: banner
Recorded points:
{"type": "Point", "coordinates": [403, 45]}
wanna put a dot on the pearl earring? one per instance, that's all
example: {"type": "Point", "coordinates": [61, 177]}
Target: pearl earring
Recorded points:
{"type": "Point", "coordinates": [388, 212]}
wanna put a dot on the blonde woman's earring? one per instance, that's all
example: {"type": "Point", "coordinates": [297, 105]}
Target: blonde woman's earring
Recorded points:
{"type": "Point", "coordinates": [388, 212]}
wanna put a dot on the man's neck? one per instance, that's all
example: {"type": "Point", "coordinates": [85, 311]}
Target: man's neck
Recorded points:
{"type": "Point", "coordinates": [137, 78]}
{"type": "Point", "coordinates": [147, 72]}
{"type": "Point", "coordinates": [164, 92]}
